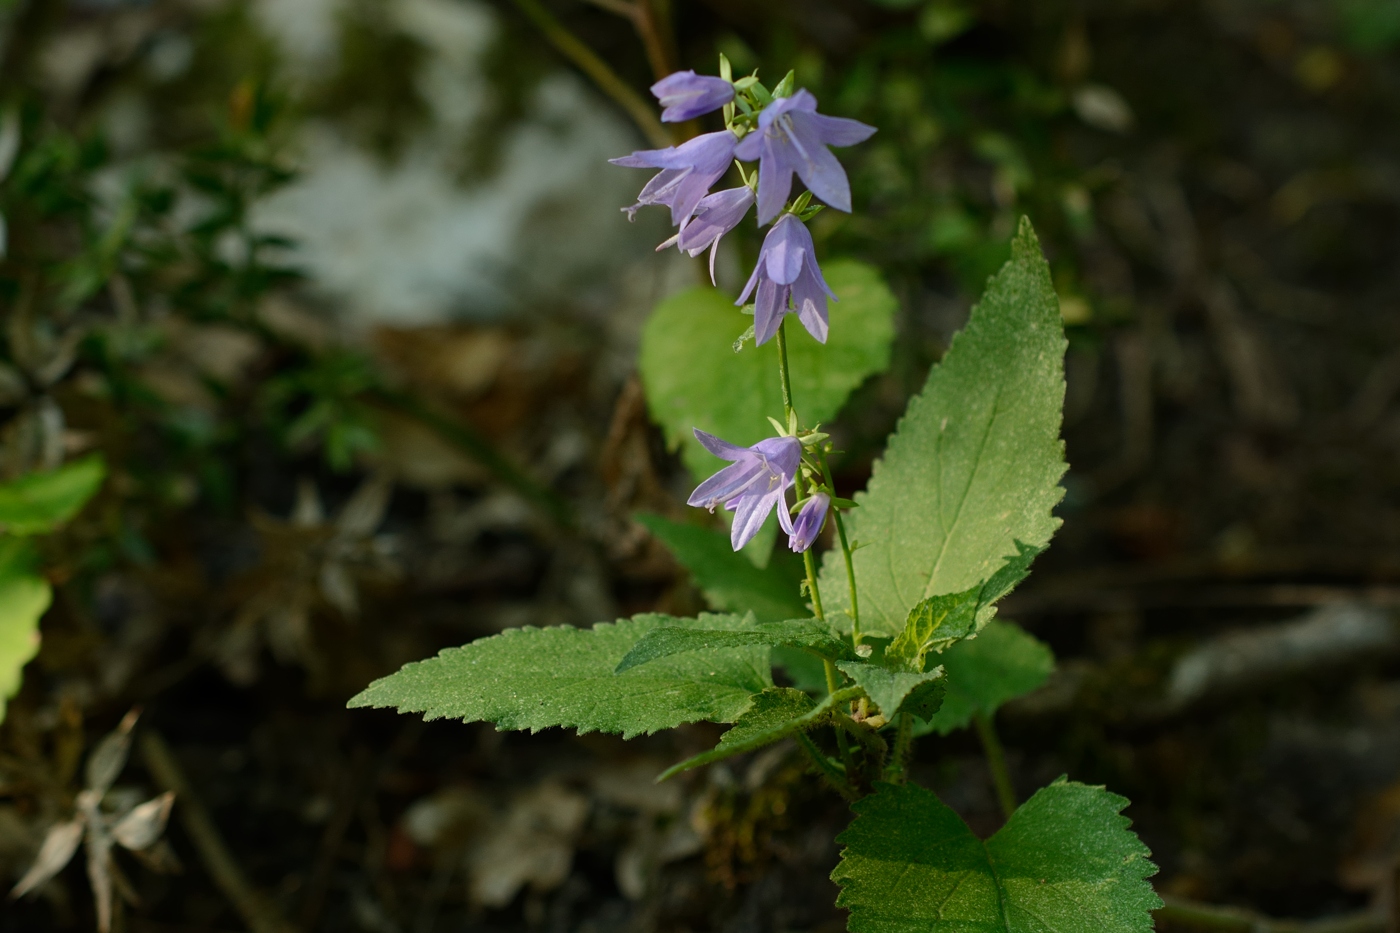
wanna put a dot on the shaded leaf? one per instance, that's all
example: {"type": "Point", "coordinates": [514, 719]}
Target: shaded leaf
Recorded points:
{"type": "Point", "coordinates": [730, 581]}
{"type": "Point", "coordinates": [57, 851]}
{"type": "Point", "coordinates": [793, 633]}
{"type": "Point", "coordinates": [531, 678]}
{"type": "Point", "coordinates": [1002, 663]}
{"type": "Point", "coordinates": [39, 502]}
{"type": "Point", "coordinates": [24, 598]}
{"type": "Point", "coordinates": [1066, 862]}
{"type": "Point", "coordinates": [892, 691]}
{"type": "Point", "coordinates": [939, 621]}
{"type": "Point", "coordinates": [975, 463]}
{"type": "Point", "coordinates": [775, 714]}
{"type": "Point", "coordinates": [694, 379]}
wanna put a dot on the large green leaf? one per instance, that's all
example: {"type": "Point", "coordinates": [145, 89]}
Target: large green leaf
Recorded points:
{"type": "Point", "coordinates": [532, 678]}
{"type": "Point", "coordinates": [1000, 664]}
{"type": "Point", "coordinates": [39, 502]}
{"type": "Point", "coordinates": [666, 641]}
{"type": "Point", "coordinates": [975, 463]}
{"type": "Point", "coordinates": [694, 379]}
{"type": "Point", "coordinates": [24, 597]}
{"type": "Point", "coordinates": [730, 581]}
{"type": "Point", "coordinates": [775, 714]}
{"type": "Point", "coordinates": [1065, 862]}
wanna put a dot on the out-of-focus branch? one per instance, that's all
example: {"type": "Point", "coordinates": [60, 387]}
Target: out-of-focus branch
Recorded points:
{"type": "Point", "coordinates": [652, 21]}
{"type": "Point", "coordinates": [607, 80]}
{"type": "Point", "coordinates": [1180, 913]}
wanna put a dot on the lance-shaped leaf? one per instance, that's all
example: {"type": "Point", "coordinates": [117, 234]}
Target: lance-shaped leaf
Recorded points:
{"type": "Point", "coordinates": [24, 598]}
{"type": "Point", "coordinates": [775, 714]}
{"type": "Point", "coordinates": [976, 461]}
{"type": "Point", "coordinates": [892, 691]}
{"type": "Point", "coordinates": [142, 826]}
{"type": "Point", "coordinates": [694, 379]}
{"type": "Point", "coordinates": [729, 580]}
{"type": "Point", "coordinates": [1003, 662]}
{"type": "Point", "coordinates": [39, 502]}
{"type": "Point", "coordinates": [532, 678]}
{"type": "Point", "coordinates": [56, 852]}
{"type": "Point", "coordinates": [1066, 862]}
{"type": "Point", "coordinates": [667, 641]}
{"type": "Point", "coordinates": [939, 621]}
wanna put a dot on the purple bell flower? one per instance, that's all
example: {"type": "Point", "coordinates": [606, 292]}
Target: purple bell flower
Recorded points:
{"type": "Point", "coordinates": [792, 137]}
{"type": "Point", "coordinates": [787, 266]}
{"type": "Point", "coordinates": [687, 172]}
{"type": "Point", "coordinates": [752, 486]}
{"type": "Point", "coordinates": [715, 216]}
{"type": "Point", "coordinates": [808, 525]}
{"type": "Point", "coordinates": [687, 95]}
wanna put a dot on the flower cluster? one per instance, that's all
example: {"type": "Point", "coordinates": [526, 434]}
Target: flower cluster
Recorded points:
{"type": "Point", "coordinates": [782, 131]}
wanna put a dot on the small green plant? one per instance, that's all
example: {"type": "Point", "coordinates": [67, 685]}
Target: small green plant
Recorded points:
{"type": "Point", "coordinates": [893, 635]}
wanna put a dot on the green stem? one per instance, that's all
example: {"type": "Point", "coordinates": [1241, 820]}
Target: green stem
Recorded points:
{"type": "Point", "coordinates": [846, 553]}
{"type": "Point", "coordinates": [586, 60]}
{"type": "Point", "coordinates": [783, 370]}
{"type": "Point", "coordinates": [1180, 912]}
{"type": "Point", "coordinates": [903, 735]}
{"type": "Point", "coordinates": [996, 762]}
{"type": "Point", "coordinates": [826, 767]}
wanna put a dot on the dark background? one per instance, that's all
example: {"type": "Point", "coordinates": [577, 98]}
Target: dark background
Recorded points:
{"type": "Point", "coordinates": [342, 292]}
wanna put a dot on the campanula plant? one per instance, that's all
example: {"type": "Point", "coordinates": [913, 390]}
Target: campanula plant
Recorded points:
{"type": "Point", "coordinates": [891, 634]}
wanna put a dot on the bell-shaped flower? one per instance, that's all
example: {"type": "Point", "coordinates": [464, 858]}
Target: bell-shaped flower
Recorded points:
{"type": "Point", "coordinates": [808, 523]}
{"type": "Point", "coordinates": [787, 268]}
{"type": "Point", "coordinates": [687, 172]}
{"type": "Point", "coordinates": [715, 216]}
{"type": "Point", "coordinates": [752, 485]}
{"type": "Point", "coordinates": [792, 137]}
{"type": "Point", "coordinates": [687, 95]}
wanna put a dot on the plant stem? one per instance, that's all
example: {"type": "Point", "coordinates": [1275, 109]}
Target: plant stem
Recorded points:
{"type": "Point", "coordinates": [824, 765]}
{"type": "Point", "coordinates": [607, 80]}
{"type": "Point", "coordinates": [783, 369]}
{"type": "Point", "coordinates": [996, 762]}
{"type": "Point", "coordinates": [1183, 913]}
{"type": "Point", "coordinates": [846, 553]}
{"type": "Point", "coordinates": [903, 735]}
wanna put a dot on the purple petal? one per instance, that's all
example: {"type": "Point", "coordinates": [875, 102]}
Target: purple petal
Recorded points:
{"type": "Point", "coordinates": [749, 286]}
{"type": "Point", "coordinates": [783, 454]}
{"type": "Point", "coordinates": [774, 181]}
{"type": "Point", "coordinates": [810, 301]}
{"type": "Point", "coordinates": [750, 515]}
{"type": "Point", "coordinates": [686, 95]}
{"type": "Point", "coordinates": [715, 216]}
{"type": "Point", "coordinates": [839, 131]}
{"type": "Point", "coordinates": [729, 483]}
{"type": "Point", "coordinates": [720, 447]}
{"type": "Point", "coordinates": [809, 522]}
{"type": "Point", "coordinates": [749, 148]}
{"type": "Point", "coordinates": [815, 165]}
{"type": "Point", "coordinates": [768, 310]}
{"type": "Point", "coordinates": [786, 248]}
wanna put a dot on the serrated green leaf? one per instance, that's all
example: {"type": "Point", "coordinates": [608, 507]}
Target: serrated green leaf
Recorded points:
{"type": "Point", "coordinates": [1002, 663]}
{"type": "Point", "coordinates": [694, 379]}
{"type": "Point", "coordinates": [893, 691]}
{"type": "Point", "coordinates": [667, 641]}
{"type": "Point", "coordinates": [1066, 862]}
{"type": "Point", "coordinates": [24, 598]}
{"type": "Point", "coordinates": [730, 581]}
{"type": "Point", "coordinates": [939, 621]}
{"type": "Point", "coordinates": [975, 463]}
{"type": "Point", "coordinates": [532, 678]}
{"type": "Point", "coordinates": [39, 502]}
{"type": "Point", "coordinates": [774, 715]}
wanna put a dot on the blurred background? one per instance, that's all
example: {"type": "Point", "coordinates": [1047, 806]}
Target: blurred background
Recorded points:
{"type": "Point", "coordinates": [342, 291]}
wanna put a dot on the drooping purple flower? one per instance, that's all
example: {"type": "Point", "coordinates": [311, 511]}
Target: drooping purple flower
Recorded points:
{"type": "Point", "coordinates": [687, 172]}
{"type": "Point", "coordinates": [754, 483]}
{"type": "Point", "coordinates": [715, 216]}
{"type": "Point", "coordinates": [687, 95]}
{"type": "Point", "coordinates": [787, 267]}
{"type": "Point", "coordinates": [808, 524]}
{"type": "Point", "coordinates": [792, 137]}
